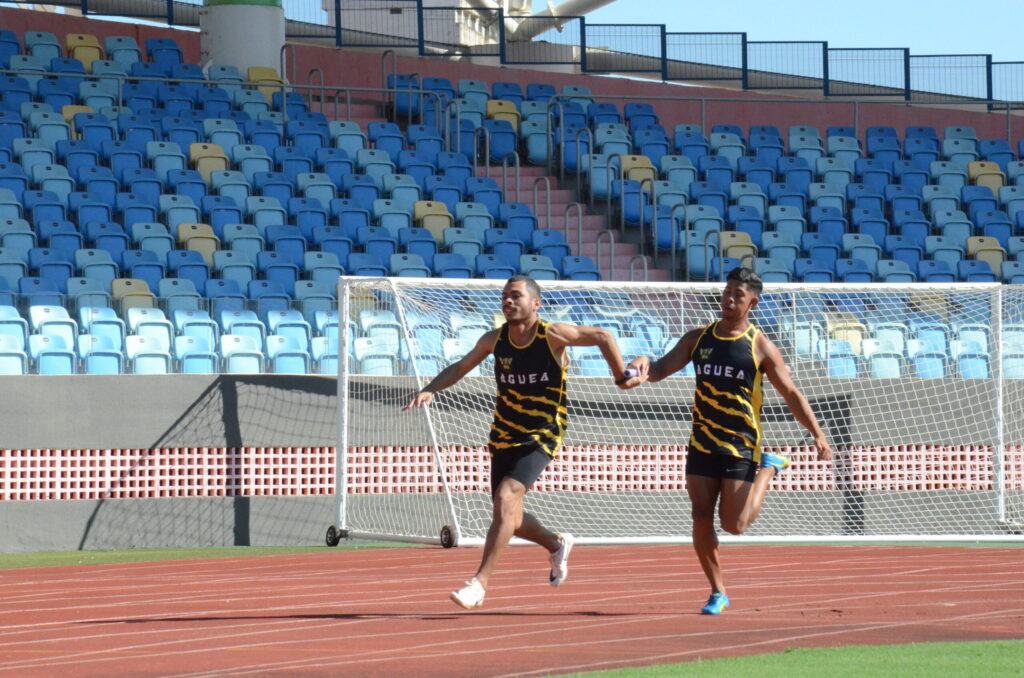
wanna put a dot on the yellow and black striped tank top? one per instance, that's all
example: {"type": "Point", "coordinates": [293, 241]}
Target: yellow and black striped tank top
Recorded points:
{"type": "Point", "coordinates": [530, 409]}
{"type": "Point", "coordinates": [727, 398]}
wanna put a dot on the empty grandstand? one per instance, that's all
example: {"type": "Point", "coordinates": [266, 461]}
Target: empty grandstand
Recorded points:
{"type": "Point", "coordinates": [135, 178]}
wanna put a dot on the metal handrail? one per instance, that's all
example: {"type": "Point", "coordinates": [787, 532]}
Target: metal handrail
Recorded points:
{"type": "Point", "coordinates": [707, 240]}
{"type": "Point", "coordinates": [309, 81]}
{"type": "Point", "coordinates": [546, 182]}
{"type": "Point", "coordinates": [288, 47]}
{"type": "Point", "coordinates": [622, 204]}
{"type": "Point", "coordinates": [608, 182]}
{"type": "Point", "coordinates": [457, 146]}
{"type": "Point", "coordinates": [552, 105]}
{"type": "Point", "coordinates": [611, 251]}
{"type": "Point", "coordinates": [394, 66]}
{"type": "Point", "coordinates": [578, 207]}
{"type": "Point", "coordinates": [643, 216]}
{"type": "Point", "coordinates": [675, 242]}
{"type": "Point", "coordinates": [487, 150]}
{"type": "Point", "coordinates": [579, 160]}
{"type": "Point", "coordinates": [643, 260]}
{"type": "Point", "coordinates": [580, 156]}
{"type": "Point", "coordinates": [707, 259]}
{"type": "Point", "coordinates": [504, 174]}
{"type": "Point", "coordinates": [419, 97]}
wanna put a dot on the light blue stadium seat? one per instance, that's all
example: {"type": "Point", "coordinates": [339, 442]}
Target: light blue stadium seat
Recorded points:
{"type": "Point", "coordinates": [13, 358]}
{"type": "Point", "coordinates": [324, 352]}
{"type": "Point", "coordinates": [194, 355]}
{"type": "Point", "coordinates": [52, 355]}
{"type": "Point", "coordinates": [286, 356]}
{"type": "Point", "coordinates": [99, 355]}
{"type": "Point", "coordinates": [241, 354]}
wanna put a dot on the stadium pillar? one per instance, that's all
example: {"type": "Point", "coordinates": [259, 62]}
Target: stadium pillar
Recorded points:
{"type": "Point", "coordinates": [242, 33]}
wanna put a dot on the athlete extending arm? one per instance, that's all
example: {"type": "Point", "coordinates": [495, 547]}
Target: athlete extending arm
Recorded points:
{"type": "Point", "coordinates": [673, 361]}
{"type": "Point", "coordinates": [451, 374]}
{"type": "Point", "coordinates": [777, 371]}
{"type": "Point", "coordinates": [561, 335]}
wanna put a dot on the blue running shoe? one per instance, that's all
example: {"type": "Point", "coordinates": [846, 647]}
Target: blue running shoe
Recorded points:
{"type": "Point", "coordinates": [716, 603]}
{"type": "Point", "coordinates": [776, 461]}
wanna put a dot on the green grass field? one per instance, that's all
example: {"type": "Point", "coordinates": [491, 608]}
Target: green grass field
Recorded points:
{"type": "Point", "coordinates": [998, 659]}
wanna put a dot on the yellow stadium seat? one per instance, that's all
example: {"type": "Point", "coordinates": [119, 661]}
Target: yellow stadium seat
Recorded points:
{"type": "Point", "coordinates": [846, 327]}
{"type": "Point", "coordinates": [131, 293]}
{"type": "Point", "coordinates": [639, 168]}
{"type": "Point", "coordinates": [499, 109]}
{"type": "Point", "coordinates": [199, 237]}
{"type": "Point", "coordinates": [84, 47]}
{"type": "Point", "coordinates": [206, 246]}
{"type": "Point", "coordinates": [268, 75]}
{"type": "Point", "coordinates": [984, 173]}
{"type": "Point", "coordinates": [208, 158]}
{"type": "Point", "coordinates": [977, 243]}
{"type": "Point", "coordinates": [70, 111]}
{"type": "Point", "coordinates": [433, 216]}
{"type": "Point", "coordinates": [737, 244]}
{"type": "Point", "coordinates": [188, 230]}
{"type": "Point", "coordinates": [985, 248]}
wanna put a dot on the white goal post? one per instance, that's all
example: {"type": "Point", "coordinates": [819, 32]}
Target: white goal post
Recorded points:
{"type": "Point", "coordinates": [919, 388]}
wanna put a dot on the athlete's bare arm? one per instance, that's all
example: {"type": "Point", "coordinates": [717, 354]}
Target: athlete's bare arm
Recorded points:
{"type": "Point", "coordinates": [561, 335]}
{"type": "Point", "coordinates": [777, 371]}
{"type": "Point", "coordinates": [457, 370]}
{"type": "Point", "coordinates": [673, 361]}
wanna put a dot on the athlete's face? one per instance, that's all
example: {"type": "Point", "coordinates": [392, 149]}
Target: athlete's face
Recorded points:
{"type": "Point", "coordinates": [517, 303]}
{"type": "Point", "coordinates": [737, 300]}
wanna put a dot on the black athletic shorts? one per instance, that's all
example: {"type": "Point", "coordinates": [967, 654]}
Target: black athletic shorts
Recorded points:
{"type": "Point", "coordinates": [525, 464]}
{"type": "Point", "coordinates": [720, 466]}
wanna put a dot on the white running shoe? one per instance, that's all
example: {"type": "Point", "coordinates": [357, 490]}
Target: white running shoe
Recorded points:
{"type": "Point", "coordinates": [469, 596]}
{"type": "Point", "coordinates": [560, 560]}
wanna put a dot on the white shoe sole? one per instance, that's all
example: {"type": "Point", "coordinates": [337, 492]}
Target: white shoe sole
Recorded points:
{"type": "Point", "coordinates": [567, 542]}
{"type": "Point", "coordinates": [454, 595]}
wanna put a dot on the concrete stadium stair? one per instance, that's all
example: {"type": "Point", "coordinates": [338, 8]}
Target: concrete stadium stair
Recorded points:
{"type": "Point", "coordinates": [593, 223]}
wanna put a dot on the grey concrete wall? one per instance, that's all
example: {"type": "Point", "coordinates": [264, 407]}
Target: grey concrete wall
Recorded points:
{"type": "Point", "coordinates": [129, 411]}
{"type": "Point", "coordinates": [27, 526]}
{"type": "Point", "coordinates": [266, 410]}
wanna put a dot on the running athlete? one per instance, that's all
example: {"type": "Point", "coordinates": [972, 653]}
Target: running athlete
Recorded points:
{"type": "Point", "coordinates": [724, 462]}
{"type": "Point", "coordinates": [530, 418]}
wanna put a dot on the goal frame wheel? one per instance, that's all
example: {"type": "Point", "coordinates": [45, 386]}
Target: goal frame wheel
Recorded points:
{"type": "Point", "coordinates": [333, 536]}
{"type": "Point", "coordinates": [447, 537]}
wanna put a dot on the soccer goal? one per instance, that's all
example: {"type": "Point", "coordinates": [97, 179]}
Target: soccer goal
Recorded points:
{"type": "Point", "coordinates": [918, 386]}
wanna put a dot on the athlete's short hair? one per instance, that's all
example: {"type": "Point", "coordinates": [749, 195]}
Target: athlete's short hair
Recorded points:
{"type": "Point", "coordinates": [531, 284]}
{"type": "Point", "coordinates": [747, 277]}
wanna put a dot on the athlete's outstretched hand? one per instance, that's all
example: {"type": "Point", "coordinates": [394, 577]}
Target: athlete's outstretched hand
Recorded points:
{"type": "Point", "coordinates": [641, 365]}
{"type": "Point", "coordinates": [421, 398]}
{"type": "Point", "coordinates": [824, 449]}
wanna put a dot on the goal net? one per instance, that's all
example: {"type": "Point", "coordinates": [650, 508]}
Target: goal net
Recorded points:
{"type": "Point", "coordinates": [917, 386]}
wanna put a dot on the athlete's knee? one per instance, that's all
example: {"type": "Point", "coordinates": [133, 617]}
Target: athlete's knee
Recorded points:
{"type": "Point", "coordinates": [508, 501]}
{"type": "Point", "coordinates": [734, 525]}
{"type": "Point", "coordinates": [703, 514]}
{"type": "Point", "coordinates": [733, 528]}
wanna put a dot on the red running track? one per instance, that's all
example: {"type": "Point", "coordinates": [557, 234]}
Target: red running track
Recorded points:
{"type": "Point", "coordinates": [386, 612]}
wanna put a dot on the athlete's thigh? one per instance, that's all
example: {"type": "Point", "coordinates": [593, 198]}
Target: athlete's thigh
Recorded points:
{"type": "Point", "coordinates": [523, 467]}
{"type": "Point", "coordinates": [703, 492]}
{"type": "Point", "coordinates": [733, 503]}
